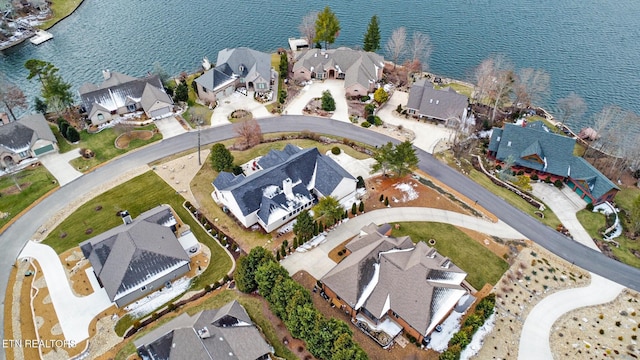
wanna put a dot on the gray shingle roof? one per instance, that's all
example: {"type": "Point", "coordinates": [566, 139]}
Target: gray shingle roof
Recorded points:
{"type": "Point", "coordinates": [437, 104]}
{"type": "Point", "coordinates": [299, 166]}
{"type": "Point", "coordinates": [237, 62]}
{"type": "Point", "coordinates": [232, 335]}
{"type": "Point", "coordinates": [411, 279]}
{"type": "Point", "coordinates": [534, 147]}
{"type": "Point", "coordinates": [151, 95]}
{"type": "Point", "coordinates": [359, 67]}
{"type": "Point", "coordinates": [39, 125]}
{"type": "Point", "coordinates": [16, 136]}
{"type": "Point", "coordinates": [118, 91]}
{"type": "Point", "coordinates": [128, 256]}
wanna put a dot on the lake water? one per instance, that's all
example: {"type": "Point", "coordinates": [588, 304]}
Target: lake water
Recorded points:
{"type": "Point", "coordinates": [591, 48]}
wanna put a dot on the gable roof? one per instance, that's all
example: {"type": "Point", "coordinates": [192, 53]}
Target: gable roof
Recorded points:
{"type": "Point", "coordinates": [232, 63]}
{"type": "Point", "coordinates": [128, 256]}
{"type": "Point", "coordinates": [555, 152]}
{"type": "Point", "coordinates": [437, 104]}
{"type": "Point", "coordinates": [152, 95]}
{"type": "Point", "coordinates": [385, 273]}
{"type": "Point", "coordinates": [229, 334]}
{"type": "Point", "coordinates": [19, 136]}
{"type": "Point", "coordinates": [303, 166]}
{"type": "Point", "coordinates": [360, 67]}
{"type": "Point", "coordinates": [120, 90]}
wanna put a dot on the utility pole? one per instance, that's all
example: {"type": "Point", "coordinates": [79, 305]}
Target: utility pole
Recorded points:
{"type": "Point", "coordinates": [199, 160]}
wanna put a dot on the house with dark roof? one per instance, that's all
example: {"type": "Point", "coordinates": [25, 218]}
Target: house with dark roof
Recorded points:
{"type": "Point", "coordinates": [237, 67]}
{"type": "Point", "coordinates": [121, 94]}
{"type": "Point", "coordinates": [389, 285]}
{"type": "Point", "coordinates": [426, 102]}
{"type": "Point", "coordinates": [27, 138]}
{"type": "Point", "coordinates": [360, 70]}
{"type": "Point", "coordinates": [287, 182]}
{"type": "Point", "coordinates": [537, 150]}
{"type": "Point", "coordinates": [138, 257]}
{"type": "Point", "coordinates": [225, 333]}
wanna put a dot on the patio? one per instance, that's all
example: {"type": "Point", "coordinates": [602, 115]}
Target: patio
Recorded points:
{"type": "Point", "coordinates": [383, 333]}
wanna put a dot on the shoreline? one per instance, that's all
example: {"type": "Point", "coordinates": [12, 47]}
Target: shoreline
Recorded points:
{"type": "Point", "coordinates": [41, 27]}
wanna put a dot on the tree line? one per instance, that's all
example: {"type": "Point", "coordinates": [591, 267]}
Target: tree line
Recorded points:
{"type": "Point", "coordinates": [330, 339]}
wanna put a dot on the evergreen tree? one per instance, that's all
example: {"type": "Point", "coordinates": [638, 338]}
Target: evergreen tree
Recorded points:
{"type": "Point", "coordinates": [304, 227]}
{"type": "Point", "coordinates": [327, 27]}
{"type": "Point", "coordinates": [72, 134]}
{"type": "Point", "coordinates": [39, 105]}
{"type": "Point", "coordinates": [386, 201]}
{"type": "Point", "coordinates": [246, 268]}
{"type": "Point", "coordinates": [354, 209]}
{"type": "Point", "coordinates": [372, 36]}
{"type": "Point", "coordinates": [381, 197]}
{"type": "Point", "coordinates": [329, 210]}
{"type": "Point", "coordinates": [361, 207]}
{"type": "Point", "coordinates": [181, 93]}
{"type": "Point", "coordinates": [328, 103]}
{"type": "Point", "coordinates": [221, 158]}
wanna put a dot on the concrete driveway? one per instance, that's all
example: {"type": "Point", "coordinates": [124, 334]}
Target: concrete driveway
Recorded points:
{"type": "Point", "coordinates": [317, 263]}
{"type": "Point", "coordinates": [427, 135]}
{"type": "Point", "coordinates": [565, 204]}
{"type": "Point", "coordinates": [234, 102]}
{"type": "Point", "coordinates": [309, 92]}
{"type": "Point", "coordinates": [169, 127]}
{"type": "Point", "coordinates": [58, 165]}
{"type": "Point", "coordinates": [354, 166]}
{"type": "Point", "coordinates": [74, 313]}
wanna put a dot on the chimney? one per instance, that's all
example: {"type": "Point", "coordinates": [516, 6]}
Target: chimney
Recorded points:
{"type": "Point", "coordinates": [204, 333]}
{"type": "Point", "coordinates": [287, 188]}
{"type": "Point", "coordinates": [126, 218]}
{"type": "Point", "coordinates": [106, 74]}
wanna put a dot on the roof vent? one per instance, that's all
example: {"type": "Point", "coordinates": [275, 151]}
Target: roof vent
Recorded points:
{"type": "Point", "coordinates": [126, 218]}
{"type": "Point", "coordinates": [315, 55]}
{"type": "Point", "coordinates": [431, 101]}
{"type": "Point", "coordinates": [509, 143]}
{"type": "Point", "coordinates": [106, 74]}
{"type": "Point", "coordinates": [437, 102]}
{"type": "Point", "coordinates": [446, 264]}
{"type": "Point", "coordinates": [432, 253]}
{"type": "Point", "coordinates": [204, 333]}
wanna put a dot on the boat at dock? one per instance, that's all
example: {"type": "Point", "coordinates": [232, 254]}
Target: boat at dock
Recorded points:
{"type": "Point", "coordinates": [40, 37]}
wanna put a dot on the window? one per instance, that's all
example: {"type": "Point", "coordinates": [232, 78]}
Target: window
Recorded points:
{"type": "Point", "coordinates": [143, 288]}
{"type": "Point", "coordinates": [100, 116]}
{"type": "Point", "coordinates": [131, 107]}
{"type": "Point", "coordinates": [24, 154]}
{"type": "Point", "coordinates": [262, 86]}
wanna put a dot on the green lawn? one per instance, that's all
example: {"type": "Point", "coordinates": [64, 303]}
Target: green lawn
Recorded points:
{"type": "Point", "coordinates": [480, 263]}
{"type": "Point", "coordinates": [459, 88]}
{"type": "Point", "coordinates": [137, 195]}
{"type": "Point", "coordinates": [187, 115]}
{"type": "Point", "coordinates": [592, 222]}
{"type": "Point", "coordinates": [63, 145]}
{"type": "Point", "coordinates": [103, 145]}
{"type": "Point", "coordinates": [35, 182]}
{"type": "Point", "coordinates": [202, 188]}
{"type": "Point", "coordinates": [625, 197]}
{"type": "Point", "coordinates": [61, 9]}
{"type": "Point", "coordinates": [251, 304]}
{"type": "Point", "coordinates": [550, 219]}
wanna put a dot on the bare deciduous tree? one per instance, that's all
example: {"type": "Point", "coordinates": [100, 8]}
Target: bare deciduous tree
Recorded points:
{"type": "Point", "coordinates": [11, 96]}
{"type": "Point", "coordinates": [396, 46]}
{"type": "Point", "coordinates": [532, 87]}
{"type": "Point", "coordinates": [483, 76]}
{"type": "Point", "coordinates": [307, 27]}
{"type": "Point", "coordinates": [249, 134]}
{"type": "Point", "coordinates": [420, 48]}
{"type": "Point", "coordinates": [571, 107]}
{"type": "Point", "coordinates": [494, 81]}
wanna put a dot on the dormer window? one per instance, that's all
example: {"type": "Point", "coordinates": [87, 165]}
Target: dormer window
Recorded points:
{"type": "Point", "coordinates": [241, 68]}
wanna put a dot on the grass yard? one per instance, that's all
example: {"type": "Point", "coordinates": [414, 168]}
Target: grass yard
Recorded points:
{"type": "Point", "coordinates": [60, 9]}
{"type": "Point", "coordinates": [480, 263]}
{"type": "Point", "coordinates": [103, 145]}
{"type": "Point", "coordinates": [202, 188]}
{"type": "Point", "coordinates": [459, 88]}
{"type": "Point", "coordinates": [188, 115]}
{"type": "Point", "coordinates": [63, 145]}
{"type": "Point", "coordinates": [550, 219]}
{"type": "Point", "coordinates": [254, 307]}
{"type": "Point", "coordinates": [137, 195]}
{"type": "Point", "coordinates": [34, 181]}
{"type": "Point", "coordinates": [625, 197]}
{"type": "Point", "coordinates": [592, 222]}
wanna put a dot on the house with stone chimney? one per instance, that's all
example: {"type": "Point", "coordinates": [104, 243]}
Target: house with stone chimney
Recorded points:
{"type": "Point", "coordinates": [285, 183]}
{"type": "Point", "coordinates": [25, 139]}
{"type": "Point", "coordinates": [140, 256]}
{"type": "Point", "coordinates": [121, 94]}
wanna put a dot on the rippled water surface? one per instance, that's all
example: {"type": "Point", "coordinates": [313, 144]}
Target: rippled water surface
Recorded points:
{"type": "Point", "coordinates": [592, 48]}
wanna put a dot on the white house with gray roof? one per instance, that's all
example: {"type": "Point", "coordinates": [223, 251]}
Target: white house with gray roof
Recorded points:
{"type": "Point", "coordinates": [287, 182]}
{"type": "Point", "coordinates": [27, 138]}
{"type": "Point", "coordinates": [429, 103]}
{"type": "Point", "coordinates": [392, 285]}
{"type": "Point", "coordinates": [138, 257]}
{"type": "Point", "coordinates": [237, 67]}
{"type": "Point", "coordinates": [121, 94]}
{"type": "Point", "coordinates": [360, 70]}
{"type": "Point", "coordinates": [225, 333]}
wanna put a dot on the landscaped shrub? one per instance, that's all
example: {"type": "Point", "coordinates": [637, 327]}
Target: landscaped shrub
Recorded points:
{"type": "Point", "coordinates": [282, 96]}
{"type": "Point", "coordinates": [365, 124]}
{"type": "Point", "coordinates": [365, 98]}
{"type": "Point", "coordinates": [521, 172]}
{"type": "Point", "coordinates": [547, 179]}
{"type": "Point", "coordinates": [72, 134]}
{"type": "Point", "coordinates": [328, 103]}
{"type": "Point", "coordinates": [336, 150]}
{"type": "Point", "coordinates": [360, 183]}
{"type": "Point", "coordinates": [589, 207]}
{"type": "Point", "coordinates": [498, 167]}
{"type": "Point", "coordinates": [558, 184]}
{"type": "Point", "coordinates": [368, 110]}
{"type": "Point", "coordinates": [399, 109]}
{"type": "Point", "coordinates": [534, 177]}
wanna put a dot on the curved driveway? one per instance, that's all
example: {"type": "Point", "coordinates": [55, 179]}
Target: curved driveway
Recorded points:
{"type": "Point", "coordinates": [16, 236]}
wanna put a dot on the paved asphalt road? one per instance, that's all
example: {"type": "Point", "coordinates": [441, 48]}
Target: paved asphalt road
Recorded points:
{"type": "Point", "coordinates": [16, 236]}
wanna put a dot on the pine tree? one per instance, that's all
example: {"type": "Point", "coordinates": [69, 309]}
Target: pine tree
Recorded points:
{"type": "Point", "coordinates": [353, 209]}
{"type": "Point", "coordinates": [278, 255]}
{"type": "Point", "coordinates": [361, 206]}
{"type": "Point", "coordinates": [381, 197]}
{"type": "Point", "coordinates": [327, 27]}
{"type": "Point", "coordinates": [372, 36]}
{"type": "Point", "coordinates": [386, 201]}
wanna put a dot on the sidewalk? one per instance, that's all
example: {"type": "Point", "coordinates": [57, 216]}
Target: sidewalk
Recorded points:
{"type": "Point", "coordinates": [58, 165]}
{"type": "Point", "coordinates": [317, 263]}
{"type": "Point", "coordinates": [74, 313]}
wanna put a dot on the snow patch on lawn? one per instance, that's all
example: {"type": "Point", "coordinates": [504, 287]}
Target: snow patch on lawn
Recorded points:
{"type": "Point", "coordinates": [478, 338]}
{"type": "Point", "coordinates": [151, 302]}
{"type": "Point", "coordinates": [440, 340]}
{"type": "Point", "coordinates": [409, 193]}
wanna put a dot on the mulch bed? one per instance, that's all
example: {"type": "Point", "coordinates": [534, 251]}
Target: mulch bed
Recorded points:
{"type": "Point", "coordinates": [122, 142]}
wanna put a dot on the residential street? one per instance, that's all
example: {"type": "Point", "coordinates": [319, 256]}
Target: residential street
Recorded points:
{"type": "Point", "coordinates": [16, 236]}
